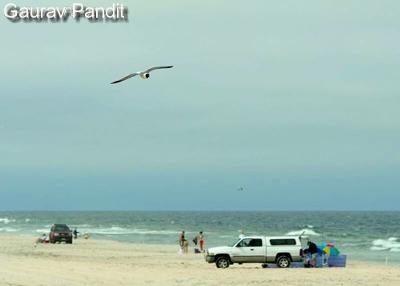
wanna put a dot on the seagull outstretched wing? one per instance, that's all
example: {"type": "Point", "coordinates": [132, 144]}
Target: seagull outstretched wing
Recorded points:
{"type": "Point", "coordinates": [157, 68]}
{"type": "Point", "coordinates": [125, 78]}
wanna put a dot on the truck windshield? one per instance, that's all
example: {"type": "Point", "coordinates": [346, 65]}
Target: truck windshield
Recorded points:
{"type": "Point", "coordinates": [236, 241]}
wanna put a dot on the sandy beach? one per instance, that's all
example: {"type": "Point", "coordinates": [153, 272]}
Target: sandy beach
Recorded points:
{"type": "Point", "coordinates": [98, 262]}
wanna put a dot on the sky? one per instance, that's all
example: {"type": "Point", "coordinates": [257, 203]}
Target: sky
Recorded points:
{"type": "Point", "coordinates": [295, 101]}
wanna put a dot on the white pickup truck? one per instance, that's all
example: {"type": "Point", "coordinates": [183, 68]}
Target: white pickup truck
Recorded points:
{"type": "Point", "coordinates": [281, 250]}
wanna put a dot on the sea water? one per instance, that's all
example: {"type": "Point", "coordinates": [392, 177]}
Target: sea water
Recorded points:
{"type": "Point", "coordinates": [369, 236]}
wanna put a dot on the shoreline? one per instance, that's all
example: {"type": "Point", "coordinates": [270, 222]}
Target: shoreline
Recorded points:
{"type": "Point", "coordinates": [107, 262]}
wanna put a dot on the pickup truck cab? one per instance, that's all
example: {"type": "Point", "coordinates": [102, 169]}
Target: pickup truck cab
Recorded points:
{"type": "Point", "coordinates": [281, 250]}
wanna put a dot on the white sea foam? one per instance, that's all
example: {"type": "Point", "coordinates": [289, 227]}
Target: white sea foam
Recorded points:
{"type": "Point", "coordinates": [27, 220]}
{"type": "Point", "coordinates": [391, 244]}
{"type": "Point", "coordinates": [304, 231]}
{"type": "Point", "coordinates": [43, 230]}
{"type": "Point", "coordinates": [8, 229]}
{"type": "Point", "coordinates": [6, 220]}
{"type": "Point", "coordinates": [377, 248]}
{"type": "Point", "coordinates": [115, 230]}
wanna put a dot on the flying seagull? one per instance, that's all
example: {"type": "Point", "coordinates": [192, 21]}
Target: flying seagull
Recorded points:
{"type": "Point", "coordinates": [143, 74]}
{"type": "Point", "coordinates": [241, 189]}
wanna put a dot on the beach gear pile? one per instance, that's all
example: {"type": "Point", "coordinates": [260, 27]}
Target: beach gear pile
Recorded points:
{"type": "Point", "coordinates": [329, 255]}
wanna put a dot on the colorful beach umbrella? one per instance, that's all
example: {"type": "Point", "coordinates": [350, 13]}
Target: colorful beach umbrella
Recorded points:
{"type": "Point", "coordinates": [331, 250]}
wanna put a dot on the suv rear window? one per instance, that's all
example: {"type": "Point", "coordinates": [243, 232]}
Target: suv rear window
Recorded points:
{"type": "Point", "coordinates": [61, 228]}
{"type": "Point", "coordinates": [285, 241]}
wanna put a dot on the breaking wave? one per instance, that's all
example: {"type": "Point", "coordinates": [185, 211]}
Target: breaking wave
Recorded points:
{"type": "Point", "coordinates": [304, 231]}
{"type": "Point", "coordinates": [6, 220]}
{"type": "Point", "coordinates": [391, 244]}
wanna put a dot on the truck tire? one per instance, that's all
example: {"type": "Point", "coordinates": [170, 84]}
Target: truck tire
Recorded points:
{"type": "Point", "coordinates": [222, 262]}
{"type": "Point", "coordinates": [283, 261]}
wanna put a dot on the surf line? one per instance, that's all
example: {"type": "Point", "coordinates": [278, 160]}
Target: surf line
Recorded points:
{"type": "Point", "coordinates": [116, 12]}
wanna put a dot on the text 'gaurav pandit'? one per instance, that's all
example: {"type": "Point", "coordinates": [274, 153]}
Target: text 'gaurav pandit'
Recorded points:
{"type": "Point", "coordinates": [116, 12]}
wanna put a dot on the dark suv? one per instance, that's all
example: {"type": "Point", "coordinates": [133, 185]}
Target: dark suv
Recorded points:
{"type": "Point", "coordinates": [60, 232]}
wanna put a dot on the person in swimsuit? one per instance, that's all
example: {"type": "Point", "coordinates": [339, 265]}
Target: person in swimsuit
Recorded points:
{"type": "Point", "coordinates": [201, 241]}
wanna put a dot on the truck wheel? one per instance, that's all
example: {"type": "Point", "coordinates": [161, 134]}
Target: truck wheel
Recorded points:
{"type": "Point", "coordinates": [222, 262]}
{"type": "Point", "coordinates": [283, 262]}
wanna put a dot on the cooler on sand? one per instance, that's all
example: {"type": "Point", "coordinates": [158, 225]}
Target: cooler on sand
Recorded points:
{"type": "Point", "coordinates": [337, 261]}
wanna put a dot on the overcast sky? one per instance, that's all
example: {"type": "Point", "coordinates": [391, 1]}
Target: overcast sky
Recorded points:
{"type": "Point", "coordinates": [296, 101]}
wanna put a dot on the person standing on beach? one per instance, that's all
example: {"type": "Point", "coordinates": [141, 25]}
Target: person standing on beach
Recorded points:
{"type": "Point", "coordinates": [75, 233]}
{"type": "Point", "coordinates": [313, 251]}
{"type": "Point", "coordinates": [182, 239]}
{"type": "Point", "coordinates": [200, 239]}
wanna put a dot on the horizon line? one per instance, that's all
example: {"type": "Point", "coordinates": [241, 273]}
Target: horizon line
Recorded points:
{"type": "Point", "coordinates": [205, 210]}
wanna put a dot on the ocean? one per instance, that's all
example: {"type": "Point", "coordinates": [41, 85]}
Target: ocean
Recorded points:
{"type": "Point", "coordinates": [367, 236]}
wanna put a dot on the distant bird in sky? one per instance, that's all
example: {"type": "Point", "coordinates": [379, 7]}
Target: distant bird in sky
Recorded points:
{"type": "Point", "coordinates": [143, 74]}
{"type": "Point", "coordinates": [241, 189]}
